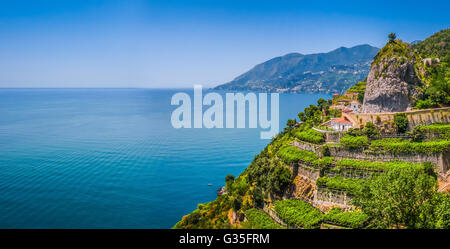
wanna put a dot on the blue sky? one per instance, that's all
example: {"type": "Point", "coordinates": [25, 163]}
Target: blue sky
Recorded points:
{"type": "Point", "coordinates": [139, 43]}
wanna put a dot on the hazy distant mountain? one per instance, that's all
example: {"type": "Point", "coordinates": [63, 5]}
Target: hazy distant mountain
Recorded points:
{"type": "Point", "coordinates": [331, 72]}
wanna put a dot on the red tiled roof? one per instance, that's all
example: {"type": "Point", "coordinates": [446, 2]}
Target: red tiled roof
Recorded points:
{"type": "Point", "coordinates": [341, 120]}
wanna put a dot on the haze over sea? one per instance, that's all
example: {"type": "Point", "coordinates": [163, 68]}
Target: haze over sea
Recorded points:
{"type": "Point", "coordinates": [110, 158]}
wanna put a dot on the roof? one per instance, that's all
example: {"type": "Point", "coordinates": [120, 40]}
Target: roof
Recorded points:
{"type": "Point", "coordinates": [341, 120]}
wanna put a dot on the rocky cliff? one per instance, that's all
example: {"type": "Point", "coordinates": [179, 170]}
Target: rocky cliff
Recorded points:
{"type": "Point", "coordinates": [394, 80]}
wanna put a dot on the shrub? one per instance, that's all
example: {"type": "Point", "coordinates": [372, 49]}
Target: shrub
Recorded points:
{"type": "Point", "coordinates": [351, 142]}
{"type": "Point", "coordinates": [269, 173]}
{"type": "Point", "coordinates": [401, 146]}
{"type": "Point", "coordinates": [290, 154]}
{"type": "Point", "coordinates": [441, 129]}
{"type": "Point", "coordinates": [401, 122]}
{"type": "Point", "coordinates": [373, 165]}
{"type": "Point", "coordinates": [349, 185]}
{"type": "Point", "coordinates": [370, 130]}
{"type": "Point", "coordinates": [229, 179]}
{"type": "Point", "coordinates": [298, 213]}
{"type": "Point", "coordinates": [354, 219]}
{"type": "Point", "coordinates": [310, 136]}
{"type": "Point", "coordinates": [257, 219]}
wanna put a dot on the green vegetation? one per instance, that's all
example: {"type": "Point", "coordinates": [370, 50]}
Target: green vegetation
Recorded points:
{"type": "Point", "coordinates": [324, 128]}
{"type": "Point", "coordinates": [442, 129]}
{"type": "Point", "coordinates": [401, 122]}
{"type": "Point", "coordinates": [421, 132]}
{"type": "Point", "coordinates": [392, 37]}
{"type": "Point", "coordinates": [291, 154]}
{"type": "Point", "coordinates": [369, 130]}
{"type": "Point", "coordinates": [373, 165]}
{"type": "Point", "coordinates": [396, 194]}
{"type": "Point", "coordinates": [298, 213]}
{"type": "Point", "coordinates": [435, 46]}
{"type": "Point", "coordinates": [349, 185]}
{"type": "Point", "coordinates": [291, 122]}
{"type": "Point", "coordinates": [401, 146]}
{"type": "Point", "coordinates": [437, 77]}
{"type": "Point", "coordinates": [269, 173]}
{"type": "Point", "coordinates": [404, 198]}
{"type": "Point", "coordinates": [310, 136]}
{"type": "Point", "coordinates": [359, 87]}
{"type": "Point", "coordinates": [352, 143]}
{"type": "Point", "coordinates": [397, 53]}
{"type": "Point", "coordinates": [257, 219]}
{"type": "Point", "coordinates": [335, 113]}
{"type": "Point", "coordinates": [354, 219]}
{"type": "Point", "coordinates": [208, 216]}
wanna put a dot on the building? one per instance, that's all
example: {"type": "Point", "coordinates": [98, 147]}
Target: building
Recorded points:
{"type": "Point", "coordinates": [354, 106]}
{"type": "Point", "coordinates": [339, 124]}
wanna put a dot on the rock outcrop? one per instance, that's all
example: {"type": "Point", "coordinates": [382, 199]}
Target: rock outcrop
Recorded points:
{"type": "Point", "coordinates": [394, 80]}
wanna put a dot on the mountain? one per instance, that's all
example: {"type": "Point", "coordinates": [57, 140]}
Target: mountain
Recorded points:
{"type": "Point", "coordinates": [331, 72]}
{"type": "Point", "coordinates": [395, 79]}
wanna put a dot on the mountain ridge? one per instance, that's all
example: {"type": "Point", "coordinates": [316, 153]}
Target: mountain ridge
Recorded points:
{"type": "Point", "coordinates": [330, 72]}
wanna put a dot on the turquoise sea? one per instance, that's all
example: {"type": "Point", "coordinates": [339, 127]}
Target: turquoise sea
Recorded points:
{"type": "Point", "coordinates": [109, 158]}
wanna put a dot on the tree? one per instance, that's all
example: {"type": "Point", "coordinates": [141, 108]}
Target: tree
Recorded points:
{"type": "Point", "coordinates": [269, 173]}
{"type": "Point", "coordinates": [397, 197]}
{"type": "Point", "coordinates": [370, 130]}
{"type": "Point", "coordinates": [361, 97]}
{"type": "Point", "coordinates": [436, 212]}
{"type": "Point", "coordinates": [301, 116]}
{"type": "Point", "coordinates": [291, 122]}
{"type": "Point", "coordinates": [401, 122]}
{"type": "Point", "coordinates": [392, 37]}
{"type": "Point", "coordinates": [322, 103]}
{"type": "Point", "coordinates": [236, 203]}
{"type": "Point", "coordinates": [257, 196]}
{"type": "Point", "coordinates": [229, 179]}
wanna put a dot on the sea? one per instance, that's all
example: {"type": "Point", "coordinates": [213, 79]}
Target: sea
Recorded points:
{"type": "Point", "coordinates": [110, 158]}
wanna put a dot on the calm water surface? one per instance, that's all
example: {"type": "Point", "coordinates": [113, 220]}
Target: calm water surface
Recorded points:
{"type": "Point", "coordinates": [109, 158]}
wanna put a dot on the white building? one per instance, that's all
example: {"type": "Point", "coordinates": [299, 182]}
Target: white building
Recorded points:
{"type": "Point", "coordinates": [338, 124]}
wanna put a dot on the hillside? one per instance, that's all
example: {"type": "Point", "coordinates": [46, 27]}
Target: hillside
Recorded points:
{"type": "Point", "coordinates": [435, 54]}
{"type": "Point", "coordinates": [437, 45]}
{"type": "Point", "coordinates": [386, 171]}
{"type": "Point", "coordinates": [331, 72]}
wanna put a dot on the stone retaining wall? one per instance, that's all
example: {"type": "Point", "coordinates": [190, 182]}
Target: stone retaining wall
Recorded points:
{"type": "Point", "coordinates": [307, 172]}
{"type": "Point", "coordinates": [325, 196]}
{"type": "Point", "coordinates": [440, 161]}
{"type": "Point", "coordinates": [415, 117]}
{"type": "Point", "coordinates": [307, 146]}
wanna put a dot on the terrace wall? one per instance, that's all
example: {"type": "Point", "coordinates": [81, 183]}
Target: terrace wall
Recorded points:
{"type": "Point", "coordinates": [306, 146]}
{"type": "Point", "coordinates": [441, 160]}
{"type": "Point", "coordinates": [415, 117]}
{"type": "Point", "coordinates": [326, 196]}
